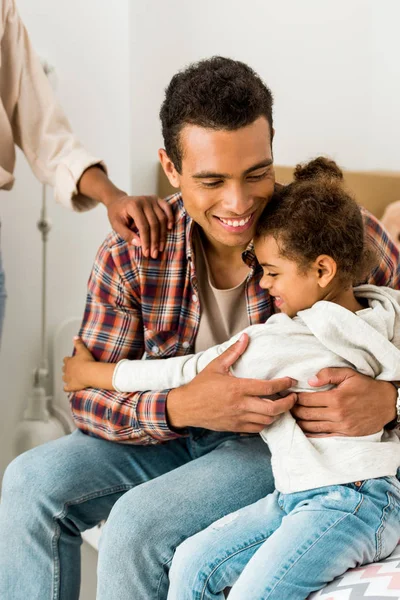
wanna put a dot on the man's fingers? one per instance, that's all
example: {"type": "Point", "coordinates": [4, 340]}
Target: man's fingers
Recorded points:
{"type": "Point", "coordinates": [231, 354]}
{"type": "Point", "coordinates": [331, 376]}
{"type": "Point", "coordinates": [252, 428]}
{"type": "Point", "coordinates": [315, 399]}
{"type": "Point", "coordinates": [317, 426]}
{"type": "Point", "coordinates": [271, 408]}
{"type": "Point", "coordinates": [258, 387]}
{"type": "Point", "coordinates": [302, 413]}
{"type": "Point", "coordinates": [282, 405]}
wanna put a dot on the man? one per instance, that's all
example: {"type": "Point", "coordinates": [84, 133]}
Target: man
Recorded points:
{"type": "Point", "coordinates": [162, 466]}
{"type": "Point", "coordinates": [31, 117]}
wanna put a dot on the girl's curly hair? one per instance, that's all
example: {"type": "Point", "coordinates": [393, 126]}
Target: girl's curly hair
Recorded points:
{"type": "Point", "coordinates": [315, 215]}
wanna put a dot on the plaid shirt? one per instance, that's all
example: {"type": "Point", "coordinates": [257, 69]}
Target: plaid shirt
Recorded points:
{"type": "Point", "coordinates": [137, 305]}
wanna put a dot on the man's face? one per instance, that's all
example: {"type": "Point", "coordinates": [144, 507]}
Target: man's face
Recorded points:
{"type": "Point", "coordinates": [227, 179]}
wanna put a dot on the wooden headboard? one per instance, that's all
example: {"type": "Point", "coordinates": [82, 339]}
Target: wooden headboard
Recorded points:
{"type": "Point", "coordinates": [374, 190]}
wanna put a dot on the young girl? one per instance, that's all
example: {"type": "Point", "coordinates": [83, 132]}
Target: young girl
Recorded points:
{"type": "Point", "coordinates": [337, 499]}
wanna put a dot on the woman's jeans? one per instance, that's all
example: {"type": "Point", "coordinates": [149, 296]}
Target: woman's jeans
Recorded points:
{"type": "Point", "coordinates": [2, 292]}
{"type": "Point", "coordinates": [153, 496]}
{"type": "Point", "coordinates": [287, 545]}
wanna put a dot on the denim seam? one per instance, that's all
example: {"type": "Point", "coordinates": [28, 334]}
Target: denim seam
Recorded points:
{"type": "Point", "coordinates": [385, 514]}
{"type": "Point", "coordinates": [162, 575]}
{"type": "Point", "coordinates": [313, 544]}
{"type": "Point", "coordinates": [57, 529]}
{"type": "Point", "coordinates": [56, 562]}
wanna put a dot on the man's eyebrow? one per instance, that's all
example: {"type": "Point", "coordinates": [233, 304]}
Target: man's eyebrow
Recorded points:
{"type": "Point", "coordinates": [213, 175]}
{"type": "Point", "coordinates": [260, 165]}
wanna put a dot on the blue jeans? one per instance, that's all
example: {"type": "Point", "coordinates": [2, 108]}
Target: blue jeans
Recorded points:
{"type": "Point", "coordinates": [153, 496]}
{"type": "Point", "coordinates": [2, 292]}
{"type": "Point", "coordinates": [286, 546]}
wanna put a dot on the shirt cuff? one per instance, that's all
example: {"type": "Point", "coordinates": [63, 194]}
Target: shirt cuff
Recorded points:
{"type": "Point", "coordinates": [68, 174]}
{"type": "Point", "coordinates": [151, 416]}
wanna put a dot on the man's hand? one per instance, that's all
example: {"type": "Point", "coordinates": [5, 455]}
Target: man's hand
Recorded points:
{"type": "Point", "coordinates": [75, 367]}
{"type": "Point", "coordinates": [216, 400]}
{"type": "Point", "coordinates": [358, 405]}
{"type": "Point", "coordinates": [150, 215]}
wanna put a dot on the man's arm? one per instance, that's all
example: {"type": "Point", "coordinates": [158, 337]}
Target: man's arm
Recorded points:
{"type": "Point", "coordinates": [112, 329]}
{"type": "Point", "coordinates": [358, 405]}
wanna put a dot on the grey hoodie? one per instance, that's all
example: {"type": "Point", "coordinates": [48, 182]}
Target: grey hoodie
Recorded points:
{"type": "Point", "coordinates": [325, 335]}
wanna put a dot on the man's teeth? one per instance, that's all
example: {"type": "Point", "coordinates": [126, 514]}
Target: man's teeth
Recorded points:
{"type": "Point", "coordinates": [236, 223]}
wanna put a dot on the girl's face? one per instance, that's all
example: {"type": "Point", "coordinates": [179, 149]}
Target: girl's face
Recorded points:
{"type": "Point", "coordinates": [292, 290]}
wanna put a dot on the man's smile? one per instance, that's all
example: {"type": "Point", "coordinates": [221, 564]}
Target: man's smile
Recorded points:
{"type": "Point", "coordinates": [237, 225]}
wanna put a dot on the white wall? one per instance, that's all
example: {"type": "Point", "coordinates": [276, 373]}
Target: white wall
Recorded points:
{"type": "Point", "coordinates": [88, 42]}
{"type": "Point", "coordinates": [333, 67]}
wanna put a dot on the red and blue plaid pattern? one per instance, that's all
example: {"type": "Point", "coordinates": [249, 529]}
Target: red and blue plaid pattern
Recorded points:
{"type": "Point", "coordinates": [137, 305]}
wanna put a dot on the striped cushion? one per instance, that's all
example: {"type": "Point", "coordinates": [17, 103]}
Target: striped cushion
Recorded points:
{"type": "Point", "coordinates": [379, 580]}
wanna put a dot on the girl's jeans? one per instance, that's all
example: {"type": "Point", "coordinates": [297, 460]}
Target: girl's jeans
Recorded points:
{"type": "Point", "coordinates": [287, 545]}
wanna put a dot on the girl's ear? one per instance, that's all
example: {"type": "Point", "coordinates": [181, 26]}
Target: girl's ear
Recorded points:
{"type": "Point", "coordinates": [326, 269]}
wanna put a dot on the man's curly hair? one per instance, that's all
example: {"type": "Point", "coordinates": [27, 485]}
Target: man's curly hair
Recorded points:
{"type": "Point", "coordinates": [217, 93]}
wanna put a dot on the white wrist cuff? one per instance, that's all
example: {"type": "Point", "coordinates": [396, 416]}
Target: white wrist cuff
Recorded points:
{"type": "Point", "coordinates": [114, 377]}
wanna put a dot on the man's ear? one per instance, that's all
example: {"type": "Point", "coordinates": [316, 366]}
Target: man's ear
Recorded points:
{"type": "Point", "coordinates": [169, 168]}
{"type": "Point", "coordinates": [326, 268]}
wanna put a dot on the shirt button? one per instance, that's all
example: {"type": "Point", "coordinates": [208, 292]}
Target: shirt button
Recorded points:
{"type": "Point", "coordinates": [156, 349]}
{"type": "Point", "coordinates": [195, 298]}
{"type": "Point", "coordinates": [185, 345]}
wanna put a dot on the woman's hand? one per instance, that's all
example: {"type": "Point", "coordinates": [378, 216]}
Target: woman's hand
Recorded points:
{"type": "Point", "coordinates": [150, 215]}
{"type": "Point", "coordinates": [75, 368]}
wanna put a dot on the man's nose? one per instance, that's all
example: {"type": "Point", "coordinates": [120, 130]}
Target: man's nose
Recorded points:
{"type": "Point", "coordinates": [237, 200]}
